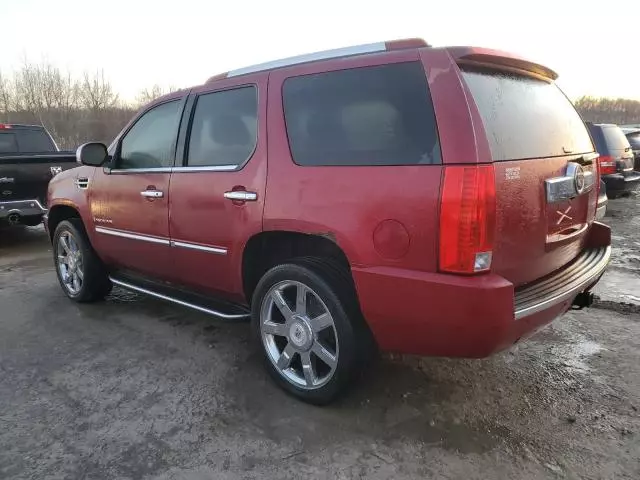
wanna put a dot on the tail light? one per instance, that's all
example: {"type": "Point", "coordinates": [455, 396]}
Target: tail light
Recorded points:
{"type": "Point", "coordinates": [4, 126]}
{"type": "Point", "coordinates": [467, 219]}
{"type": "Point", "coordinates": [607, 164]}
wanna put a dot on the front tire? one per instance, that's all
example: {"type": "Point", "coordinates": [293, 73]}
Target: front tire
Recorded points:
{"type": "Point", "coordinates": [80, 272]}
{"type": "Point", "coordinates": [307, 322]}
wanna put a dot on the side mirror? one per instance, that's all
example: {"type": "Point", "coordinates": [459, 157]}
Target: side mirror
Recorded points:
{"type": "Point", "coordinates": [93, 154]}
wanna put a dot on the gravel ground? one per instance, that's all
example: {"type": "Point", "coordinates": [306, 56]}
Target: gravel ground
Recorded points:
{"type": "Point", "coordinates": [133, 388]}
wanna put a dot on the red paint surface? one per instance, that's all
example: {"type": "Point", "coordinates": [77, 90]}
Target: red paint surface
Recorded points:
{"type": "Point", "coordinates": [200, 214]}
{"type": "Point", "coordinates": [408, 304]}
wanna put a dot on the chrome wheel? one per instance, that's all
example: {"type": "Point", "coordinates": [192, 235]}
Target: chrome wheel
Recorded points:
{"type": "Point", "coordinates": [70, 263]}
{"type": "Point", "coordinates": [299, 334]}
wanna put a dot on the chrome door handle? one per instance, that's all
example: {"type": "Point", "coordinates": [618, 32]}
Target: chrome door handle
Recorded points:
{"type": "Point", "coordinates": [152, 194]}
{"type": "Point", "coordinates": [241, 195]}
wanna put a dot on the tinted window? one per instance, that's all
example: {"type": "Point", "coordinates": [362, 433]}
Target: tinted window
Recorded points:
{"type": "Point", "coordinates": [34, 141]}
{"type": "Point", "coordinates": [24, 140]}
{"type": "Point", "coordinates": [224, 128]}
{"type": "Point", "coordinates": [634, 140]}
{"type": "Point", "coordinates": [151, 141]}
{"type": "Point", "coordinates": [614, 137]}
{"type": "Point", "coordinates": [8, 143]}
{"type": "Point", "coordinates": [364, 116]}
{"type": "Point", "coordinates": [525, 117]}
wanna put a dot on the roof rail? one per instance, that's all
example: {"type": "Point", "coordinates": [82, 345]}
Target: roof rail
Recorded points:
{"type": "Point", "coordinates": [325, 55]}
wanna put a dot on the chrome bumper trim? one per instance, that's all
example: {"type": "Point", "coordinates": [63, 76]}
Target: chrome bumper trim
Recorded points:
{"type": "Point", "coordinates": [24, 208]}
{"type": "Point", "coordinates": [564, 284]}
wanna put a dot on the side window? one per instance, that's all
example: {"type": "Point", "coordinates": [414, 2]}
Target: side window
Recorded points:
{"type": "Point", "coordinates": [8, 143]}
{"type": "Point", "coordinates": [634, 140]}
{"type": "Point", "coordinates": [151, 141]}
{"type": "Point", "coordinates": [380, 115]}
{"type": "Point", "coordinates": [224, 128]}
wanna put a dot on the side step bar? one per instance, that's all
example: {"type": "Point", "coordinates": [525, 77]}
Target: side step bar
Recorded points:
{"type": "Point", "coordinates": [193, 306]}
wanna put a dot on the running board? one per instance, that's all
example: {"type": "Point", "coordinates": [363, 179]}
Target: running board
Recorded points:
{"type": "Point", "coordinates": [193, 306]}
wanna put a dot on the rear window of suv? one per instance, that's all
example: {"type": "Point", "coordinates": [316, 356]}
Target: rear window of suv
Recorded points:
{"type": "Point", "coordinates": [380, 115]}
{"type": "Point", "coordinates": [634, 140]}
{"type": "Point", "coordinates": [525, 117]}
{"type": "Point", "coordinates": [25, 140]}
{"type": "Point", "coordinates": [8, 143]}
{"type": "Point", "coordinates": [614, 137]}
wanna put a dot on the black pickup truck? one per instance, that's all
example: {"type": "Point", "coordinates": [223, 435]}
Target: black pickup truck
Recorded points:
{"type": "Point", "coordinates": [29, 158]}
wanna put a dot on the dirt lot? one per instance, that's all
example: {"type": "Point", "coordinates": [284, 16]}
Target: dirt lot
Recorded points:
{"type": "Point", "coordinates": [134, 388]}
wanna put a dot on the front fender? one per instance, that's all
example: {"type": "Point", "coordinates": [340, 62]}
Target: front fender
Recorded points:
{"type": "Point", "coordinates": [64, 191]}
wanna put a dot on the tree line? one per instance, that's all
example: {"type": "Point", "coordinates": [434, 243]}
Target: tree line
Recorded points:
{"type": "Point", "coordinates": [621, 111]}
{"type": "Point", "coordinates": [75, 110]}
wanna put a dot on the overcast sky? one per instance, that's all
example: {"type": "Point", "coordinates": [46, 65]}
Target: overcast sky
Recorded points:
{"type": "Point", "coordinates": [182, 42]}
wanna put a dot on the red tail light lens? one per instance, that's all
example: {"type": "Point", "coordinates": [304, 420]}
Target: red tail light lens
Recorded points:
{"type": "Point", "coordinates": [467, 219]}
{"type": "Point", "coordinates": [607, 164]}
{"type": "Point", "coordinates": [4, 126]}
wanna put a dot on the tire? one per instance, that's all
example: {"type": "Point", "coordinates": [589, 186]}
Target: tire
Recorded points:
{"type": "Point", "coordinates": [83, 277]}
{"type": "Point", "coordinates": [299, 340]}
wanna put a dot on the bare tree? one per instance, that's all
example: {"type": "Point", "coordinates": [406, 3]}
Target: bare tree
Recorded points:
{"type": "Point", "coordinates": [96, 92]}
{"type": "Point", "coordinates": [149, 94]}
{"type": "Point", "coordinates": [6, 95]}
{"type": "Point", "coordinates": [609, 110]}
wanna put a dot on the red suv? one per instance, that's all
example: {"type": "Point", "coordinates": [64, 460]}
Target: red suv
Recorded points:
{"type": "Point", "coordinates": [434, 201]}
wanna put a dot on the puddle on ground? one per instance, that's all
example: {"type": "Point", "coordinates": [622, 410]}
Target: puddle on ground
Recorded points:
{"type": "Point", "coordinates": [618, 285]}
{"type": "Point", "coordinates": [577, 354]}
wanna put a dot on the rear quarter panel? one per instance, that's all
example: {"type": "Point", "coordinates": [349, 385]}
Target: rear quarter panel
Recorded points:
{"type": "Point", "coordinates": [352, 204]}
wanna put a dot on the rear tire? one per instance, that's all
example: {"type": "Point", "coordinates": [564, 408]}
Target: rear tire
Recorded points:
{"type": "Point", "coordinates": [81, 273]}
{"type": "Point", "coordinates": [312, 342]}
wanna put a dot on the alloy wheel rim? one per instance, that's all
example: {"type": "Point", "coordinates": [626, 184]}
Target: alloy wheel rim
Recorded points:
{"type": "Point", "coordinates": [299, 334]}
{"type": "Point", "coordinates": [70, 263]}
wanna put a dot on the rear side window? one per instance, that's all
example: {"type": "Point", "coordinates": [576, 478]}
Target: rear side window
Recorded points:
{"type": "Point", "coordinates": [224, 128]}
{"type": "Point", "coordinates": [525, 117]}
{"type": "Point", "coordinates": [34, 141]}
{"type": "Point", "coordinates": [634, 140]}
{"type": "Point", "coordinates": [8, 143]}
{"type": "Point", "coordinates": [379, 115]}
{"type": "Point", "coordinates": [615, 138]}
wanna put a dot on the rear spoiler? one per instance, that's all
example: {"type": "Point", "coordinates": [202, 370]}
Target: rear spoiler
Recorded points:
{"type": "Point", "coordinates": [483, 57]}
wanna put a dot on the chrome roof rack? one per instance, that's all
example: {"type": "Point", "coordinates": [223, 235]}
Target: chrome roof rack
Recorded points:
{"type": "Point", "coordinates": [325, 55]}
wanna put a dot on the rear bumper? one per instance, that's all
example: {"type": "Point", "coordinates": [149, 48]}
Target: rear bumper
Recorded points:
{"type": "Point", "coordinates": [447, 315]}
{"type": "Point", "coordinates": [617, 182]}
{"type": "Point", "coordinates": [22, 208]}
